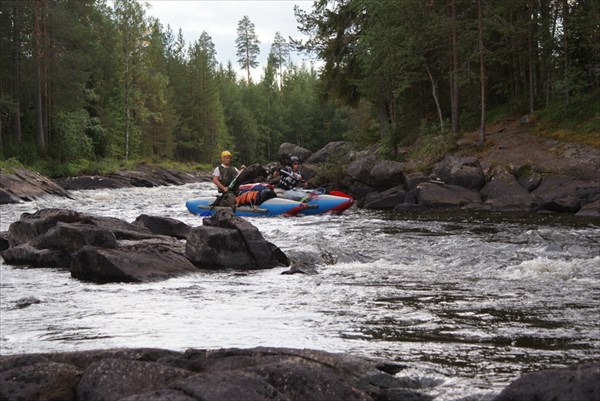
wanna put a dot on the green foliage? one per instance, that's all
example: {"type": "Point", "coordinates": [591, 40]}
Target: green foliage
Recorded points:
{"type": "Point", "coordinates": [69, 144]}
{"type": "Point", "coordinates": [333, 170]}
{"type": "Point", "coordinates": [116, 86]}
{"type": "Point", "coordinates": [9, 165]}
{"type": "Point", "coordinates": [577, 121]}
{"type": "Point", "coordinates": [247, 45]}
{"type": "Point", "coordinates": [430, 148]}
{"type": "Point", "coordinates": [524, 171]}
{"type": "Point", "coordinates": [360, 126]}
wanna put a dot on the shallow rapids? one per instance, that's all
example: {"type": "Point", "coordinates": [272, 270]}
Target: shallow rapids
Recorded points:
{"type": "Point", "coordinates": [467, 302]}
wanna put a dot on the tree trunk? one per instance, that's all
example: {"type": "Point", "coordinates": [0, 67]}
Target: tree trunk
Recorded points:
{"type": "Point", "coordinates": [454, 98]}
{"type": "Point", "coordinates": [16, 127]}
{"type": "Point", "coordinates": [435, 98]}
{"type": "Point", "coordinates": [565, 10]}
{"type": "Point", "coordinates": [481, 73]}
{"type": "Point", "coordinates": [530, 54]}
{"type": "Point", "coordinates": [40, 136]}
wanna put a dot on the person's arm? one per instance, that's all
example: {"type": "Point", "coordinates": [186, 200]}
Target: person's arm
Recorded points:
{"type": "Point", "coordinates": [221, 187]}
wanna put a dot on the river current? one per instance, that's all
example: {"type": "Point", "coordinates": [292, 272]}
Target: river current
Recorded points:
{"type": "Point", "coordinates": [468, 302]}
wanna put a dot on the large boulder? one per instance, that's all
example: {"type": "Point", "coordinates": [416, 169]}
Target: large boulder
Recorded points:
{"type": "Point", "coordinates": [360, 168]}
{"type": "Point", "coordinates": [42, 380]}
{"type": "Point", "coordinates": [387, 174]}
{"type": "Point", "coordinates": [461, 171]}
{"type": "Point", "coordinates": [437, 195]}
{"type": "Point", "coordinates": [332, 151]}
{"type": "Point", "coordinates": [54, 247]}
{"type": "Point", "coordinates": [134, 261]}
{"type": "Point", "coordinates": [560, 193]}
{"type": "Point", "coordinates": [287, 150]}
{"type": "Point", "coordinates": [113, 379]}
{"type": "Point", "coordinates": [504, 193]}
{"type": "Point", "coordinates": [241, 245]}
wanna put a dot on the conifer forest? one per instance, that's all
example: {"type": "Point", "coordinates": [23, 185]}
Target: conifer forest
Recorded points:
{"type": "Point", "coordinates": [86, 81]}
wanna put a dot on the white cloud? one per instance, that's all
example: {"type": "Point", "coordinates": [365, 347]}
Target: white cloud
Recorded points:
{"type": "Point", "coordinates": [220, 19]}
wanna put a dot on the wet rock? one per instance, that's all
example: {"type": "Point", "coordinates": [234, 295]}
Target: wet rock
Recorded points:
{"type": "Point", "coordinates": [590, 210]}
{"type": "Point", "coordinates": [575, 383]}
{"type": "Point", "coordinates": [386, 199]}
{"type": "Point", "coordinates": [226, 241]}
{"type": "Point", "coordinates": [106, 249]}
{"type": "Point", "coordinates": [114, 379]}
{"type": "Point", "coordinates": [304, 262]}
{"type": "Point", "coordinates": [504, 193]}
{"type": "Point", "coordinates": [142, 176]}
{"type": "Point", "coordinates": [218, 375]}
{"type": "Point", "coordinates": [138, 261]}
{"type": "Point", "coordinates": [560, 193]}
{"type": "Point", "coordinates": [460, 171]}
{"type": "Point", "coordinates": [163, 226]}
{"type": "Point", "coordinates": [40, 381]}
{"type": "Point", "coordinates": [25, 302]}
{"type": "Point", "coordinates": [434, 195]}
{"type": "Point", "coordinates": [24, 185]}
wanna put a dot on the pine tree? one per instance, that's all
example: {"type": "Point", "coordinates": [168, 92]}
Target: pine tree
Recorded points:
{"type": "Point", "coordinates": [247, 45]}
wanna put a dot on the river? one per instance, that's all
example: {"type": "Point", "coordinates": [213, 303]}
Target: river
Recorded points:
{"type": "Point", "coordinates": [467, 301]}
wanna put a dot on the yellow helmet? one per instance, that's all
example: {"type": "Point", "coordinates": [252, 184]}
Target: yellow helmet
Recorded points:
{"type": "Point", "coordinates": [225, 153]}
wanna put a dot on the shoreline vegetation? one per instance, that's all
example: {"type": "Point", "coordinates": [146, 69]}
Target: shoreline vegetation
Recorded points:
{"type": "Point", "coordinates": [520, 169]}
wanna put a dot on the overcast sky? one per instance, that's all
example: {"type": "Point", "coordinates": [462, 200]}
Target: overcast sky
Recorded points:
{"type": "Point", "coordinates": [220, 19]}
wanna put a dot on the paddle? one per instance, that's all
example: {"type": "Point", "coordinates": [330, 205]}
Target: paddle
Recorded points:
{"type": "Point", "coordinates": [295, 176]}
{"type": "Point", "coordinates": [218, 200]}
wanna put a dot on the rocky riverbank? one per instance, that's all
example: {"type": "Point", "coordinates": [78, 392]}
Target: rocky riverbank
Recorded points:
{"type": "Point", "coordinates": [257, 374]}
{"type": "Point", "coordinates": [23, 185]}
{"type": "Point", "coordinates": [517, 171]}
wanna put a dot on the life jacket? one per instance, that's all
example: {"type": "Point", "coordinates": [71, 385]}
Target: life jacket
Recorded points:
{"type": "Point", "coordinates": [255, 197]}
{"type": "Point", "coordinates": [248, 198]}
{"type": "Point", "coordinates": [287, 181]}
{"type": "Point", "coordinates": [227, 175]}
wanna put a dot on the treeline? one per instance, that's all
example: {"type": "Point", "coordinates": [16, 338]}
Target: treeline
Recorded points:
{"type": "Point", "coordinates": [80, 80]}
{"type": "Point", "coordinates": [442, 64]}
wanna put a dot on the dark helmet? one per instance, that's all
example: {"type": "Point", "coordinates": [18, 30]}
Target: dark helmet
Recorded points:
{"type": "Point", "coordinates": [294, 159]}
